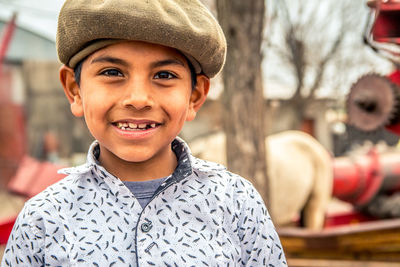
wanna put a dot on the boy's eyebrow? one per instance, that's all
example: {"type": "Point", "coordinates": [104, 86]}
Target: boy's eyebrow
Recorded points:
{"type": "Point", "coordinates": [111, 60]}
{"type": "Point", "coordinates": [166, 62]}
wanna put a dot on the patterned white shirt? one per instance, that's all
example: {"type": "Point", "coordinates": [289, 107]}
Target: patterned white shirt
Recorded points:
{"type": "Point", "coordinates": [202, 215]}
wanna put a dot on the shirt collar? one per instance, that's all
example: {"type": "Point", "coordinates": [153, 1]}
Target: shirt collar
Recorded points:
{"type": "Point", "coordinates": [179, 146]}
{"type": "Point", "coordinates": [91, 162]}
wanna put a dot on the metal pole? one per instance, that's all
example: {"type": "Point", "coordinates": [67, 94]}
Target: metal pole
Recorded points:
{"type": "Point", "coordinates": [6, 38]}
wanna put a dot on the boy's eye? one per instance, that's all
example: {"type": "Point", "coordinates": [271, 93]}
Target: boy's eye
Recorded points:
{"type": "Point", "coordinates": [164, 75]}
{"type": "Point", "coordinates": [111, 72]}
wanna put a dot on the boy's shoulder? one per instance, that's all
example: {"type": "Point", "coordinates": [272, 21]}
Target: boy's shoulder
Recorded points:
{"type": "Point", "coordinates": [222, 177]}
{"type": "Point", "coordinates": [63, 189]}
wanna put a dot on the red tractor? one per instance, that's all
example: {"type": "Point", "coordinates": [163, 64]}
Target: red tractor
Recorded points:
{"type": "Point", "coordinates": [373, 103]}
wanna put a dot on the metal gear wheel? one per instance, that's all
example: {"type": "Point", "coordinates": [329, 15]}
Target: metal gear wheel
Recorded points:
{"type": "Point", "coordinates": [373, 102]}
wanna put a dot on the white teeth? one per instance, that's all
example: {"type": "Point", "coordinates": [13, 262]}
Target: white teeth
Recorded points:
{"type": "Point", "coordinates": [132, 125]}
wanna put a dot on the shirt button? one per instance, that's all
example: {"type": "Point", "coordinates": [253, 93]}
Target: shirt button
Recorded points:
{"type": "Point", "coordinates": [146, 227]}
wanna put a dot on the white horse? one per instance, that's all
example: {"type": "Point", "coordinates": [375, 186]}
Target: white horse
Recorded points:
{"type": "Point", "coordinates": [299, 171]}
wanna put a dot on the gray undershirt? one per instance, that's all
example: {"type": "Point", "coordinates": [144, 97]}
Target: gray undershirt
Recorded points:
{"type": "Point", "coordinates": [144, 191]}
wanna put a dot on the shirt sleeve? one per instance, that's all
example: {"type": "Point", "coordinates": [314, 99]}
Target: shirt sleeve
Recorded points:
{"type": "Point", "coordinates": [259, 240]}
{"type": "Point", "coordinates": [24, 246]}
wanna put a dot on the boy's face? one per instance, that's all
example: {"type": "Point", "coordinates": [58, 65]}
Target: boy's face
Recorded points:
{"type": "Point", "coordinates": [135, 98]}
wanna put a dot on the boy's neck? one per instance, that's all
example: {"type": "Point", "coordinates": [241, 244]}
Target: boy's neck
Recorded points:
{"type": "Point", "coordinates": [138, 171]}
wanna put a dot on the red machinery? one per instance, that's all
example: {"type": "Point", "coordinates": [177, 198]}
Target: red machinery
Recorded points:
{"type": "Point", "coordinates": [7, 36]}
{"type": "Point", "coordinates": [373, 103]}
{"type": "Point", "coordinates": [374, 100]}
{"type": "Point", "coordinates": [12, 132]}
{"type": "Point", "coordinates": [383, 32]}
{"type": "Point", "coordinates": [12, 129]}
{"type": "Point", "coordinates": [5, 229]}
{"type": "Point", "coordinates": [358, 179]}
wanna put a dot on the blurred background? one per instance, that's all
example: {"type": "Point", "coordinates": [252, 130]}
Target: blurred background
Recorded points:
{"type": "Point", "coordinates": [299, 62]}
{"type": "Point", "coordinates": [305, 85]}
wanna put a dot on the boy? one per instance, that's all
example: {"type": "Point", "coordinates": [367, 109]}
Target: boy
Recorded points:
{"type": "Point", "coordinates": [136, 70]}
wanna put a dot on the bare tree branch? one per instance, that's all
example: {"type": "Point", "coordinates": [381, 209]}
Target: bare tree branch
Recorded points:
{"type": "Point", "coordinates": [314, 34]}
{"type": "Point", "coordinates": [322, 68]}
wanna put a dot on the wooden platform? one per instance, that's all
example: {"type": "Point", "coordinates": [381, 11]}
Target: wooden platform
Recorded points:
{"type": "Point", "coordinates": [369, 241]}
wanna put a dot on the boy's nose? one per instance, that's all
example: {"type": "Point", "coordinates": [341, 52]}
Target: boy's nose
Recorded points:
{"type": "Point", "coordinates": [138, 96]}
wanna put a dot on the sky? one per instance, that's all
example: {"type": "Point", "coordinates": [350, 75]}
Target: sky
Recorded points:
{"type": "Point", "coordinates": [39, 16]}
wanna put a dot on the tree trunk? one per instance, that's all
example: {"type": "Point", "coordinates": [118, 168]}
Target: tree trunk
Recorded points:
{"type": "Point", "coordinates": [242, 99]}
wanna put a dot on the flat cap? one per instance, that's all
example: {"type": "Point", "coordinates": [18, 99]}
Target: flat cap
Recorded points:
{"type": "Point", "coordinates": [85, 26]}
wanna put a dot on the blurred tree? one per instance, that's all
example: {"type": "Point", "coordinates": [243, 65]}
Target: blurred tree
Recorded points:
{"type": "Point", "coordinates": [315, 44]}
{"type": "Point", "coordinates": [242, 99]}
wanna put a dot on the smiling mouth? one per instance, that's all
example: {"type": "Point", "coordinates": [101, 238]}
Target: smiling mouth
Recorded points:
{"type": "Point", "coordinates": [129, 126]}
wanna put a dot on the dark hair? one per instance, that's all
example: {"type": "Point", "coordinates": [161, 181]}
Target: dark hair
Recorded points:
{"type": "Point", "coordinates": [78, 70]}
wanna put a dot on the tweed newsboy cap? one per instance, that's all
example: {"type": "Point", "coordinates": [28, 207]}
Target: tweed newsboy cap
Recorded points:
{"type": "Point", "coordinates": [85, 26]}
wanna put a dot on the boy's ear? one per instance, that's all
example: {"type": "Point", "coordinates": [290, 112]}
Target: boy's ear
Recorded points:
{"type": "Point", "coordinates": [71, 90]}
{"type": "Point", "coordinates": [199, 95]}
